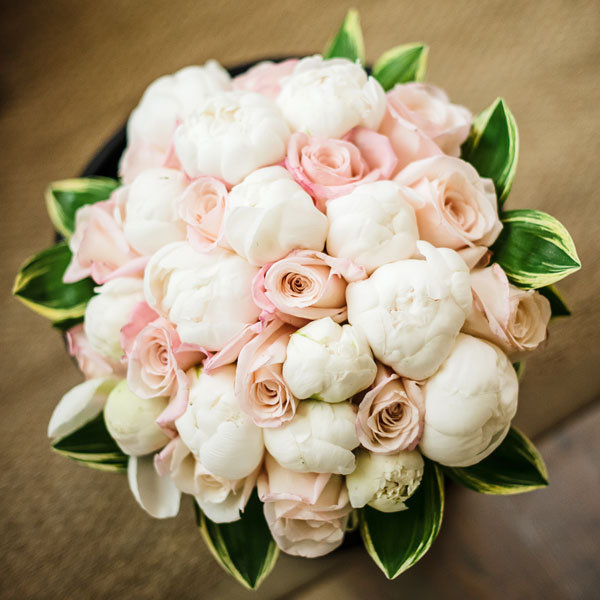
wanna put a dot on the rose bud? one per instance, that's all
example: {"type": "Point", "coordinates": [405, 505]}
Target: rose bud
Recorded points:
{"type": "Point", "coordinates": [319, 439]}
{"type": "Point", "coordinates": [230, 135]}
{"type": "Point", "coordinates": [469, 403]}
{"type": "Point", "coordinates": [131, 421]}
{"type": "Point", "coordinates": [330, 97]}
{"type": "Point", "coordinates": [269, 215]}
{"type": "Point", "coordinates": [385, 482]}
{"type": "Point", "coordinates": [329, 362]}
{"type": "Point", "coordinates": [411, 310]}
{"type": "Point", "coordinates": [223, 438]}
{"type": "Point", "coordinates": [373, 225]}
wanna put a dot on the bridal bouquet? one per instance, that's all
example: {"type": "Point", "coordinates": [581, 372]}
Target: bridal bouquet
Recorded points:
{"type": "Point", "coordinates": [303, 303]}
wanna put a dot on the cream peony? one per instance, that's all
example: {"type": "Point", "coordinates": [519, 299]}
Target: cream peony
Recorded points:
{"type": "Point", "coordinates": [231, 135]}
{"type": "Point", "coordinates": [469, 403]}
{"type": "Point", "coordinates": [373, 225]}
{"type": "Point", "coordinates": [269, 215]}
{"type": "Point", "coordinates": [330, 97]}
{"type": "Point", "coordinates": [328, 362]}
{"type": "Point", "coordinates": [411, 310]}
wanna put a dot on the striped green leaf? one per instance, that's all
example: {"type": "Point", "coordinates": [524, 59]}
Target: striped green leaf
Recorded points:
{"type": "Point", "coordinates": [401, 65]}
{"type": "Point", "coordinates": [519, 368]}
{"type": "Point", "coordinates": [348, 41]}
{"type": "Point", "coordinates": [513, 468]}
{"type": "Point", "coordinates": [39, 286]}
{"type": "Point", "coordinates": [64, 198]}
{"type": "Point", "coordinates": [92, 446]}
{"type": "Point", "coordinates": [396, 541]}
{"type": "Point", "coordinates": [534, 249]}
{"type": "Point", "coordinates": [493, 147]}
{"type": "Point", "coordinates": [557, 303]}
{"type": "Point", "coordinates": [244, 548]}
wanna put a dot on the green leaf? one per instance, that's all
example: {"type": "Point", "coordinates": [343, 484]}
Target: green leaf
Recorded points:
{"type": "Point", "coordinates": [39, 286]}
{"type": "Point", "coordinates": [93, 446]}
{"type": "Point", "coordinates": [534, 249]}
{"type": "Point", "coordinates": [519, 368]}
{"type": "Point", "coordinates": [64, 198]}
{"type": "Point", "coordinates": [66, 324]}
{"type": "Point", "coordinates": [396, 541]}
{"type": "Point", "coordinates": [401, 64]}
{"type": "Point", "coordinates": [244, 548]}
{"type": "Point", "coordinates": [557, 303]}
{"type": "Point", "coordinates": [513, 468]}
{"type": "Point", "coordinates": [493, 147]}
{"type": "Point", "coordinates": [348, 41]}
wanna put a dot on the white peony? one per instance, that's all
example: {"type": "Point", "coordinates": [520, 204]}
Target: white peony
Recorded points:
{"type": "Point", "coordinates": [469, 403]}
{"type": "Point", "coordinates": [223, 438]}
{"type": "Point", "coordinates": [330, 97]}
{"type": "Point", "coordinates": [206, 295]}
{"type": "Point", "coordinates": [412, 310]}
{"type": "Point", "coordinates": [230, 135]}
{"type": "Point", "coordinates": [385, 481]}
{"type": "Point", "coordinates": [319, 439]}
{"type": "Point", "coordinates": [107, 312]}
{"type": "Point", "coordinates": [329, 362]}
{"type": "Point", "coordinates": [373, 225]}
{"type": "Point", "coordinates": [269, 215]}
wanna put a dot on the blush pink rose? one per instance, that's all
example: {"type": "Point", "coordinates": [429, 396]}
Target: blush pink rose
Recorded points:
{"type": "Point", "coordinates": [329, 168]}
{"type": "Point", "coordinates": [429, 108]}
{"type": "Point", "coordinates": [304, 286]}
{"type": "Point", "coordinates": [265, 77]}
{"type": "Point", "coordinates": [516, 320]}
{"type": "Point", "coordinates": [90, 362]}
{"type": "Point", "coordinates": [259, 385]}
{"type": "Point", "coordinates": [458, 208]}
{"type": "Point", "coordinates": [306, 512]}
{"type": "Point", "coordinates": [391, 414]}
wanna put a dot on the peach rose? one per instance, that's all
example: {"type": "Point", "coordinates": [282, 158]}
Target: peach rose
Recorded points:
{"type": "Point", "coordinates": [305, 285]}
{"type": "Point", "coordinates": [329, 168]}
{"type": "Point", "coordinates": [265, 77]}
{"type": "Point", "coordinates": [458, 208]}
{"type": "Point", "coordinates": [390, 416]}
{"type": "Point", "coordinates": [429, 108]}
{"type": "Point", "coordinates": [259, 385]}
{"type": "Point", "coordinates": [512, 318]}
{"type": "Point", "coordinates": [306, 512]}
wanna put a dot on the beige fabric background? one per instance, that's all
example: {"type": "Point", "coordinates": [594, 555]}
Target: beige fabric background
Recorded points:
{"type": "Point", "coordinates": [71, 72]}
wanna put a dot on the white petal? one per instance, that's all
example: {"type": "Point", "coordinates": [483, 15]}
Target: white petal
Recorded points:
{"type": "Point", "coordinates": [222, 512]}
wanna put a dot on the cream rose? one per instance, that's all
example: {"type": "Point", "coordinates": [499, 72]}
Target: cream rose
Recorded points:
{"type": "Point", "coordinates": [91, 363]}
{"type": "Point", "coordinates": [330, 97]}
{"type": "Point", "coordinates": [458, 208]}
{"type": "Point", "coordinates": [306, 512]}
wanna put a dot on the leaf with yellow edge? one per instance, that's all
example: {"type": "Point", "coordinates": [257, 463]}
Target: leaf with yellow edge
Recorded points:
{"type": "Point", "coordinates": [348, 41]}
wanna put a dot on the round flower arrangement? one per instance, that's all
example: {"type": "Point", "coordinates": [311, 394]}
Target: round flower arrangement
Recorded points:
{"type": "Point", "coordinates": [303, 304]}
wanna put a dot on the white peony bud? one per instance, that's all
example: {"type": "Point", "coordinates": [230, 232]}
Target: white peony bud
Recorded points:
{"type": "Point", "coordinates": [269, 215]}
{"type": "Point", "coordinates": [207, 295]}
{"type": "Point", "coordinates": [230, 135]}
{"type": "Point", "coordinates": [385, 481]}
{"type": "Point", "coordinates": [329, 362]}
{"type": "Point", "coordinates": [330, 97]}
{"type": "Point", "coordinates": [151, 213]}
{"type": "Point", "coordinates": [223, 438]}
{"type": "Point", "coordinates": [319, 439]}
{"type": "Point", "coordinates": [373, 225]}
{"type": "Point", "coordinates": [469, 403]}
{"type": "Point", "coordinates": [107, 312]}
{"type": "Point", "coordinates": [412, 310]}
{"type": "Point", "coordinates": [131, 421]}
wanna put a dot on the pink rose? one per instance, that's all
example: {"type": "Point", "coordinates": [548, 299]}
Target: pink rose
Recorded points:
{"type": "Point", "coordinates": [264, 78]}
{"type": "Point", "coordinates": [458, 208]}
{"type": "Point", "coordinates": [306, 512]}
{"type": "Point", "coordinates": [329, 168]}
{"type": "Point", "coordinates": [202, 208]}
{"type": "Point", "coordinates": [429, 108]}
{"type": "Point", "coordinates": [90, 362]}
{"type": "Point", "coordinates": [304, 286]}
{"type": "Point", "coordinates": [514, 319]}
{"type": "Point", "coordinates": [259, 385]}
{"type": "Point", "coordinates": [391, 414]}
{"type": "Point", "coordinates": [99, 246]}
